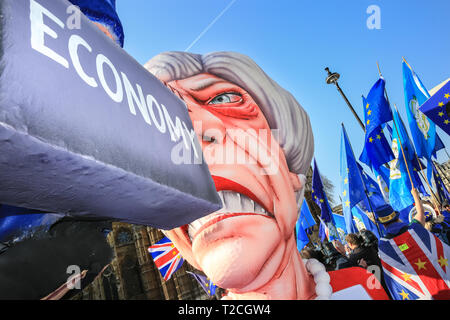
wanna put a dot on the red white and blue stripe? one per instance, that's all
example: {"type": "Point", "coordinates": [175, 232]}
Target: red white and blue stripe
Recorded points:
{"type": "Point", "coordinates": [166, 257]}
{"type": "Point", "coordinates": [415, 265]}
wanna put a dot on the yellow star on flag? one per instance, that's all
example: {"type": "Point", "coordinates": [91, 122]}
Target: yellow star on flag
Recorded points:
{"type": "Point", "coordinates": [368, 121]}
{"type": "Point", "coordinates": [344, 193]}
{"type": "Point", "coordinates": [446, 122]}
{"type": "Point", "coordinates": [404, 295]}
{"type": "Point", "coordinates": [369, 112]}
{"type": "Point", "coordinates": [370, 139]}
{"type": "Point", "coordinates": [406, 277]}
{"type": "Point", "coordinates": [440, 114]}
{"type": "Point", "coordinates": [441, 104]}
{"type": "Point", "coordinates": [367, 106]}
{"type": "Point", "coordinates": [420, 264]}
{"type": "Point", "coordinates": [447, 96]}
{"type": "Point", "coordinates": [321, 200]}
{"type": "Point", "coordinates": [347, 203]}
{"type": "Point", "coordinates": [443, 262]}
{"type": "Point", "coordinates": [378, 137]}
{"type": "Point", "coordinates": [345, 180]}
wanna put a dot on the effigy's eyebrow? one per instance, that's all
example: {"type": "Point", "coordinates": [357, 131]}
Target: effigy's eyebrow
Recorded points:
{"type": "Point", "coordinates": [205, 83]}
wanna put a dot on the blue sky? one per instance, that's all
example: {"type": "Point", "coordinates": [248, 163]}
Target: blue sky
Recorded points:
{"type": "Point", "coordinates": [293, 41]}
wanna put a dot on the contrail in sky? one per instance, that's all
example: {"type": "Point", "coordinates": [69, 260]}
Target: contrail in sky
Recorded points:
{"type": "Point", "coordinates": [210, 25]}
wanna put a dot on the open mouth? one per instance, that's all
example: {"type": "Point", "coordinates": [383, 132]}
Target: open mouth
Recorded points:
{"type": "Point", "coordinates": [234, 204]}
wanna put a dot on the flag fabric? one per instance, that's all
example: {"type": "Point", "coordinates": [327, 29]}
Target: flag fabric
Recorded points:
{"type": "Point", "coordinates": [376, 108]}
{"type": "Point", "coordinates": [306, 218]}
{"type": "Point", "coordinates": [382, 176]}
{"type": "Point", "coordinates": [376, 149]}
{"type": "Point", "coordinates": [319, 196]}
{"type": "Point", "coordinates": [415, 265]}
{"type": "Point", "coordinates": [104, 13]}
{"type": "Point", "coordinates": [400, 187]}
{"type": "Point", "coordinates": [207, 285]}
{"type": "Point", "coordinates": [166, 257]}
{"type": "Point", "coordinates": [302, 237]}
{"type": "Point", "coordinates": [339, 222]}
{"type": "Point", "coordinates": [364, 220]}
{"type": "Point", "coordinates": [423, 131]}
{"type": "Point", "coordinates": [439, 145]}
{"type": "Point", "coordinates": [415, 165]}
{"type": "Point", "coordinates": [352, 185]}
{"type": "Point", "coordinates": [440, 186]}
{"type": "Point", "coordinates": [437, 108]}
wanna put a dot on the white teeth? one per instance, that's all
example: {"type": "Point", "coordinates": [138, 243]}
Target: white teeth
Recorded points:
{"type": "Point", "coordinates": [232, 202]}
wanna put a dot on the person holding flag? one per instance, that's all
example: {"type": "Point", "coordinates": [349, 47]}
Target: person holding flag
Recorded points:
{"type": "Point", "coordinates": [415, 262]}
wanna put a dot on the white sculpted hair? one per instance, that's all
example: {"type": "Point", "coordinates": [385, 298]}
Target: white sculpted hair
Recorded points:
{"type": "Point", "coordinates": [279, 107]}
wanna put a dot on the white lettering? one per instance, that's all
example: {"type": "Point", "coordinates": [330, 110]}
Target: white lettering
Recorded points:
{"type": "Point", "coordinates": [74, 42]}
{"type": "Point", "coordinates": [39, 29]}
{"type": "Point", "coordinates": [116, 96]}
{"type": "Point", "coordinates": [131, 95]}
{"type": "Point", "coordinates": [161, 124]}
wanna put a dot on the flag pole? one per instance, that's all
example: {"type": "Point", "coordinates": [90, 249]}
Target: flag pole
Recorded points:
{"type": "Point", "coordinates": [366, 193]}
{"type": "Point", "coordinates": [420, 165]}
{"type": "Point", "coordinates": [396, 129]}
{"type": "Point", "coordinates": [401, 146]}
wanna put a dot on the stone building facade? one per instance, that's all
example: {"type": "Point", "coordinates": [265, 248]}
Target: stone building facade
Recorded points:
{"type": "Point", "coordinates": [132, 274]}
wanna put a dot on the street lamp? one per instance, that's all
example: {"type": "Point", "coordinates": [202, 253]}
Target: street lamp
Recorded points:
{"type": "Point", "coordinates": [333, 78]}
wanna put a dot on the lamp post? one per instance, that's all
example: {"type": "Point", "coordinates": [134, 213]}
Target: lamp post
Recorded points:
{"type": "Point", "coordinates": [332, 78]}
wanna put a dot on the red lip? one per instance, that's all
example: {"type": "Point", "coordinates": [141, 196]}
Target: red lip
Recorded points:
{"type": "Point", "coordinates": [222, 183]}
{"type": "Point", "coordinates": [226, 184]}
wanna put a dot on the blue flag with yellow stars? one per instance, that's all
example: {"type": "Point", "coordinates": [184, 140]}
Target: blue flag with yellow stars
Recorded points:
{"type": "Point", "coordinates": [207, 285]}
{"type": "Point", "coordinates": [302, 236]}
{"type": "Point", "coordinates": [306, 219]}
{"type": "Point", "coordinates": [376, 108]}
{"type": "Point", "coordinates": [352, 185]}
{"type": "Point", "coordinates": [319, 196]}
{"type": "Point", "coordinates": [377, 150]}
{"type": "Point", "coordinates": [341, 229]}
{"type": "Point", "coordinates": [437, 108]}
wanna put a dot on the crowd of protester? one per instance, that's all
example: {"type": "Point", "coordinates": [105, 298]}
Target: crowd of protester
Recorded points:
{"type": "Point", "coordinates": [362, 249]}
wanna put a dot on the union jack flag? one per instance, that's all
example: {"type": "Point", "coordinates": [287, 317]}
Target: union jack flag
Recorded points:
{"type": "Point", "coordinates": [166, 257]}
{"type": "Point", "coordinates": [415, 265]}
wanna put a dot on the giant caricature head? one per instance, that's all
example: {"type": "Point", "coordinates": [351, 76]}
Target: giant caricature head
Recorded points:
{"type": "Point", "coordinates": [251, 239]}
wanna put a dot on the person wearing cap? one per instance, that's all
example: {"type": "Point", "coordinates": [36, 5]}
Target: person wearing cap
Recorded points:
{"type": "Point", "coordinates": [414, 260]}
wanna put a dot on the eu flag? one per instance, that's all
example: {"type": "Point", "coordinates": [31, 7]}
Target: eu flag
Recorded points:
{"type": "Point", "coordinates": [302, 237]}
{"type": "Point", "coordinates": [376, 108]}
{"type": "Point", "coordinates": [352, 185]}
{"type": "Point", "coordinates": [423, 131]}
{"type": "Point", "coordinates": [207, 285]}
{"type": "Point", "coordinates": [399, 184]}
{"type": "Point", "coordinates": [306, 219]}
{"type": "Point", "coordinates": [437, 108]}
{"type": "Point", "coordinates": [377, 150]}
{"type": "Point", "coordinates": [363, 220]}
{"type": "Point", "coordinates": [319, 196]}
{"type": "Point", "coordinates": [339, 222]}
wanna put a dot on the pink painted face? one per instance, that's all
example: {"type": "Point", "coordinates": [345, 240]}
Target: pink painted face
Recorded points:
{"type": "Point", "coordinates": [243, 245]}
